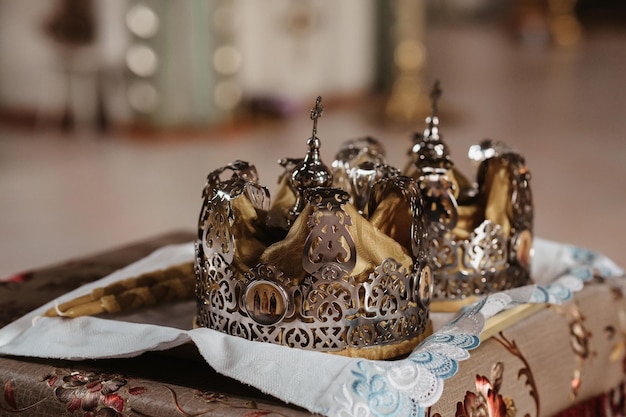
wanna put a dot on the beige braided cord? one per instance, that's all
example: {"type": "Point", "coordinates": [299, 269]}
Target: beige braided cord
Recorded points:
{"type": "Point", "coordinates": [149, 289]}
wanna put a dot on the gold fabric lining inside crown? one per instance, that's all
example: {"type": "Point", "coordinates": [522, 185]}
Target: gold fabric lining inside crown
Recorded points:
{"type": "Point", "coordinates": [386, 235]}
{"type": "Point", "coordinates": [493, 202]}
{"type": "Point", "coordinates": [249, 240]}
{"type": "Point", "coordinates": [393, 217]}
{"type": "Point", "coordinates": [282, 201]}
{"type": "Point", "coordinates": [496, 191]}
{"type": "Point", "coordinates": [372, 247]}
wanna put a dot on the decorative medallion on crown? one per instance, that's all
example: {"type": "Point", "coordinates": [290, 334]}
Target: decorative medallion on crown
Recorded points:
{"type": "Point", "coordinates": [337, 261]}
{"type": "Point", "coordinates": [481, 231]}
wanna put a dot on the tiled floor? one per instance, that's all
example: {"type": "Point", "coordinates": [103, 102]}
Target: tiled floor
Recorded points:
{"type": "Point", "coordinates": [63, 196]}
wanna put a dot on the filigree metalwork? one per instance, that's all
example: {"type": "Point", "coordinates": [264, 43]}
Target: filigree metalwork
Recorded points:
{"type": "Point", "coordinates": [488, 260]}
{"type": "Point", "coordinates": [311, 171]}
{"type": "Point", "coordinates": [439, 202]}
{"type": "Point", "coordinates": [328, 304]}
{"type": "Point", "coordinates": [477, 265]}
{"type": "Point", "coordinates": [480, 255]}
{"type": "Point", "coordinates": [429, 150]}
{"type": "Point", "coordinates": [329, 250]}
{"type": "Point", "coordinates": [329, 310]}
{"type": "Point", "coordinates": [357, 165]}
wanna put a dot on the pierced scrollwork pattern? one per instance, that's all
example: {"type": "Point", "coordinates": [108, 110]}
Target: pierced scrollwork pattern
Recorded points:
{"type": "Point", "coordinates": [238, 169]}
{"type": "Point", "coordinates": [486, 250]}
{"type": "Point", "coordinates": [477, 265]}
{"type": "Point", "coordinates": [329, 310]}
{"type": "Point", "coordinates": [330, 315]}
{"type": "Point", "coordinates": [439, 202]}
{"type": "Point", "coordinates": [385, 293]}
{"type": "Point", "coordinates": [215, 229]}
{"type": "Point", "coordinates": [489, 259]}
{"type": "Point", "coordinates": [298, 337]}
{"type": "Point", "coordinates": [259, 196]}
{"type": "Point", "coordinates": [329, 249]}
{"type": "Point", "coordinates": [329, 301]}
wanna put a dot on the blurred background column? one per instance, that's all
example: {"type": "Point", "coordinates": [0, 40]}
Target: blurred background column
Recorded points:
{"type": "Point", "coordinates": [408, 101]}
{"type": "Point", "coordinates": [172, 79]}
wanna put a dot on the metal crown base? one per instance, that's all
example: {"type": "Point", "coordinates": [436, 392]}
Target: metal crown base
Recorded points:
{"type": "Point", "coordinates": [329, 315]}
{"type": "Point", "coordinates": [485, 263]}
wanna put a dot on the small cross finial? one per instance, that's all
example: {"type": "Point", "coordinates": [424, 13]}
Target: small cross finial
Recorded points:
{"type": "Point", "coordinates": [434, 96]}
{"type": "Point", "coordinates": [316, 113]}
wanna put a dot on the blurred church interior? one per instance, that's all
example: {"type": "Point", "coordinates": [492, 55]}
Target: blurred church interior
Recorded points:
{"type": "Point", "coordinates": [112, 112]}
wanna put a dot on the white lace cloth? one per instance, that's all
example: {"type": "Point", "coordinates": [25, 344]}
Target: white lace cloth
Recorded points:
{"type": "Point", "coordinates": [327, 384]}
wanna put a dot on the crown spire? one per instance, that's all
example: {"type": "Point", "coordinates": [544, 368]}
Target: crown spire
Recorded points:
{"type": "Point", "coordinates": [434, 96]}
{"type": "Point", "coordinates": [311, 172]}
{"type": "Point", "coordinates": [316, 113]}
{"type": "Point", "coordinates": [429, 150]}
{"type": "Point", "coordinates": [432, 121]}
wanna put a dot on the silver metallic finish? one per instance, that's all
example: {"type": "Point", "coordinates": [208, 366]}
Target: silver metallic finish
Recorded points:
{"type": "Point", "coordinates": [429, 152]}
{"type": "Point", "coordinates": [311, 171]}
{"type": "Point", "coordinates": [356, 151]}
{"type": "Point", "coordinates": [217, 216]}
{"type": "Point", "coordinates": [358, 164]}
{"type": "Point", "coordinates": [439, 202]}
{"type": "Point", "coordinates": [330, 310]}
{"type": "Point", "coordinates": [487, 261]}
{"type": "Point", "coordinates": [488, 149]}
{"type": "Point", "coordinates": [237, 168]}
{"type": "Point", "coordinates": [362, 179]}
{"type": "Point", "coordinates": [329, 250]}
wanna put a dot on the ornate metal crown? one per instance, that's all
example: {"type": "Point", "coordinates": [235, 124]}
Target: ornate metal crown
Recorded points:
{"type": "Point", "coordinates": [337, 262]}
{"type": "Point", "coordinates": [480, 231]}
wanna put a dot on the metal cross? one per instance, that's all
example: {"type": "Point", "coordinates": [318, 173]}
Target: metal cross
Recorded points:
{"type": "Point", "coordinates": [434, 96]}
{"type": "Point", "coordinates": [316, 113]}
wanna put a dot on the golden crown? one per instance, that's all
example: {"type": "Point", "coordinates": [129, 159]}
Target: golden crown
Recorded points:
{"type": "Point", "coordinates": [337, 262]}
{"type": "Point", "coordinates": [480, 231]}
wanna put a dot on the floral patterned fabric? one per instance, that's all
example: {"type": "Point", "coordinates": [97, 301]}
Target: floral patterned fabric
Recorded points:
{"type": "Point", "coordinates": [561, 361]}
{"type": "Point", "coordinates": [57, 388]}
